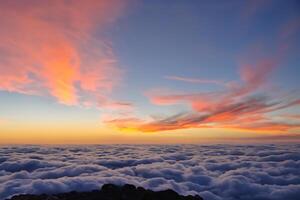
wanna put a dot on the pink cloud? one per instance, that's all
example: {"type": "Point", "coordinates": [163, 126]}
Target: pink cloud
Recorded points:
{"type": "Point", "coordinates": [47, 48]}
{"type": "Point", "coordinates": [239, 106]}
{"type": "Point", "coordinates": [253, 78]}
{"type": "Point", "coordinates": [247, 114]}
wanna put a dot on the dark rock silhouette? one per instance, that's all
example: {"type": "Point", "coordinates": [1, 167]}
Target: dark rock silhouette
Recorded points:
{"type": "Point", "coordinates": [112, 192]}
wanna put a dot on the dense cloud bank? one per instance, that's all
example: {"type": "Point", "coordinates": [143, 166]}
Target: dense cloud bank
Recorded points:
{"type": "Point", "coordinates": [214, 172]}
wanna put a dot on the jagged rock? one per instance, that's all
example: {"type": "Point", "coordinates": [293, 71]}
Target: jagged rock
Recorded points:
{"type": "Point", "coordinates": [112, 192]}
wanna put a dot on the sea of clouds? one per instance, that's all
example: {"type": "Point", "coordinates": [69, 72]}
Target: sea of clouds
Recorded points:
{"type": "Point", "coordinates": [214, 172]}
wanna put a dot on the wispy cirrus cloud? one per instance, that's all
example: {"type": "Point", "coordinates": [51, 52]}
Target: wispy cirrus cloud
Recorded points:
{"type": "Point", "coordinates": [117, 105]}
{"type": "Point", "coordinates": [195, 80]}
{"type": "Point", "coordinates": [247, 115]}
{"type": "Point", "coordinates": [291, 116]}
{"type": "Point", "coordinates": [48, 48]}
{"type": "Point", "coordinates": [241, 105]}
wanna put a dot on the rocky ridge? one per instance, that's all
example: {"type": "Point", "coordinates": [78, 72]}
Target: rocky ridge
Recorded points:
{"type": "Point", "coordinates": [112, 192]}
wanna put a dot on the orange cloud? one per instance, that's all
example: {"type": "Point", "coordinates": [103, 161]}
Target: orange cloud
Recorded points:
{"type": "Point", "coordinates": [48, 48]}
{"type": "Point", "coordinates": [238, 106]}
{"type": "Point", "coordinates": [247, 115]}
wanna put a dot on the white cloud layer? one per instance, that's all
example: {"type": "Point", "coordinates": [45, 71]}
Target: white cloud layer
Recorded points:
{"type": "Point", "coordinates": [256, 172]}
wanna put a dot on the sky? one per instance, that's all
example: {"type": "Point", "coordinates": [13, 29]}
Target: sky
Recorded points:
{"type": "Point", "coordinates": [127, 71]}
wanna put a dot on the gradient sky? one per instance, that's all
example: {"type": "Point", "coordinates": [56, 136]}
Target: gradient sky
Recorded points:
{"type": "Point", "coordinates": [149, 71]}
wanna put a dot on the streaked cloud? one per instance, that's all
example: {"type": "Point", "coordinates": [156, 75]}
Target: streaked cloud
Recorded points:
{"type": "Point", "coordinates": [295, 117]}
{"type": "Point", "coordinates": [116, 105]}
{"type": "Point", "coordinates": [48, 48]}
{"type": "Point", "coordinates": [243, 105]}
{"type": "Point", "coordinates": [195, 80]}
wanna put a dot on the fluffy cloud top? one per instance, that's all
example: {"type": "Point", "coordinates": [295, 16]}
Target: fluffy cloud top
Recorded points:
{"type": "Point", "coordinates": [214, 171]}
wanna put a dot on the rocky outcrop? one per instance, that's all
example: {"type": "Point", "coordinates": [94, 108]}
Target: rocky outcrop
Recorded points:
{"type": "Point", "coordinates": [112, 192]}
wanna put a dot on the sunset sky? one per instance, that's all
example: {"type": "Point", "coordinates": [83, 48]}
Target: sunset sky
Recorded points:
{"type": "Point", "coordinates": [126, 71]}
